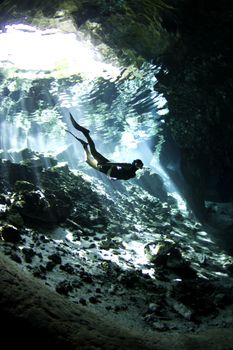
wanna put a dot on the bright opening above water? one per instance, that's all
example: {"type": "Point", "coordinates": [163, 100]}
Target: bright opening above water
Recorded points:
{"type": "Point", "coordinates": [30, 53]}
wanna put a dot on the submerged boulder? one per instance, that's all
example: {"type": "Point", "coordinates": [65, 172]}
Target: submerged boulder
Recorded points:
{"type": "Point", "coordinates": [10, 233]}
{"type": "Point", "coordinates": [153, 184]}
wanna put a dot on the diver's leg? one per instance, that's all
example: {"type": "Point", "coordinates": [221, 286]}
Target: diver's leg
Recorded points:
{"type": "Point", "coordinates": [98, 156]}
{"type": "Point", "coordinates": [90, 160]}
{"type": "Point", "coordinates": [88, 157]}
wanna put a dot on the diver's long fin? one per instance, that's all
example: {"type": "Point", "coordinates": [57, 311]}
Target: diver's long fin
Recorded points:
{"type": "Point", "coordinates": [84, 143]}
{"type": "Point", "coordinates": [77, 126]}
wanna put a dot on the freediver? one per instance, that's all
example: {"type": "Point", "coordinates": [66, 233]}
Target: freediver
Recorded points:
{"type": "Point", "coordinates": [115, 171]}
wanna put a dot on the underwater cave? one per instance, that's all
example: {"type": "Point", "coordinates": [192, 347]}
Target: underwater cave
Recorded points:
{"type": "Point", "coordinates": [97, 261]}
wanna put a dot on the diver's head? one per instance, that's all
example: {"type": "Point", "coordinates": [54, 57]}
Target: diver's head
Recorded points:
{"type": "Point", "coordinates": [138, 163]}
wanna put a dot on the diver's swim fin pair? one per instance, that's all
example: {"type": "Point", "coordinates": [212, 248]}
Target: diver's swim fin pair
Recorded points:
{"type": "Point", "coordinates": [78, 127]}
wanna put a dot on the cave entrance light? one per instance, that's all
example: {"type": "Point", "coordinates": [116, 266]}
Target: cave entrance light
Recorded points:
{"type": "Point", "coordinates": [30, 53]}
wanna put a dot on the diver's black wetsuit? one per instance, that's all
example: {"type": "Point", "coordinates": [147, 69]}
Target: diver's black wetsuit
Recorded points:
{"type": "Point", "coordinates": [117, 171]}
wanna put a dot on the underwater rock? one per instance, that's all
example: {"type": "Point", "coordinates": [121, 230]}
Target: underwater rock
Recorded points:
{"type": "Point", "coordinates": [175, 259]}
{"type": "Point", "coordinates": [17, 156]}
{"type": "Point", "coordinates": [29, 253]}
{"type": "Point", "coordinates": [166, 255]}
{"type": "Point", "coordinates": [10, 233]}
{"type": "Point", "coordinates": [64, 287]}
{"type": "Point", "coordinates": [28, 157]}
{"type": "Point", "coordinates": [14, 218]}
{"type": "Point", "coordinates": [40, 162]}
{"type": "Point", "coordinates": [25, 165]}
{"type": "Point", "coordinates": [4, 199]}
{"type": "Point", "coordinates": [39, 271]}
{"type": "Point", "coordinates": [13, 172]}
{"type": "Point", "coordinates": [33, 205]}
{"type": "Point", "coordinates": [55, 258]}
{"type": "Point", "coordinates": [67, 268]}
{"type": "Point", "coordinates": [153, 184]}
{"type": "Point", "coordinates": [160, 326]}
{"type": "Point", "coordinates": [182, 309]}
{"type": "Point", "coordinates": [15, 257]}
{"type": "Point", "coordinates": [157, 252]}
{"type": "Point", "coordinates": [23, 185]}
{"type": "Point", "coordinates": [3, 210]}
